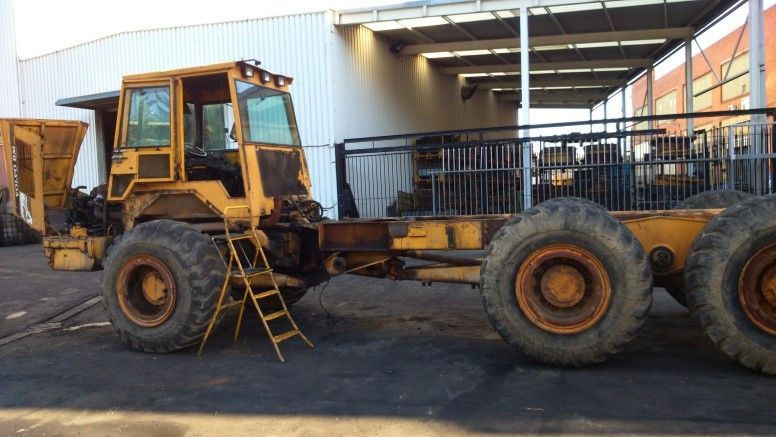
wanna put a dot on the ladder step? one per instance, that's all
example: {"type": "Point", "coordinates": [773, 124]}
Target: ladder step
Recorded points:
{"type": "Point", "coordinates": [250, 272]}
{"type": "Point", "coordinates": [285, 336]}
{"type": "Point", "coordinates": [275, 315]}
{"type": "Point", "coordinates": [231, 304]}
{"type": "Point", "coordinates": [267, 293]}
{"type": "Point", "coordinates": [232, 237]}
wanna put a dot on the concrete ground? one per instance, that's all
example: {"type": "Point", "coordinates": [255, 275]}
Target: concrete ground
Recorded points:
{"type": "Point", "coordinates": [390, 358]}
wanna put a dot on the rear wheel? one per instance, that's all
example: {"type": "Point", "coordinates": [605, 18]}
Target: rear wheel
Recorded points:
{"type": "Point", "coordinates": [730, 278]}
{"type": "Point", "coordinates": [160, 285]}
{"type": "Point", "coordinates": [566, 283]}
{"type": "Point", "coordinates": [712, 199]}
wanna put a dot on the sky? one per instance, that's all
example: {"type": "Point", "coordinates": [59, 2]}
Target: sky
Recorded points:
{"type": "Point", "coordinates": [77, 21]}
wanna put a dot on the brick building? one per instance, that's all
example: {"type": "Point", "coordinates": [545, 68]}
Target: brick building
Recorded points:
{"type": "Point", "coordinates": [669, 92]}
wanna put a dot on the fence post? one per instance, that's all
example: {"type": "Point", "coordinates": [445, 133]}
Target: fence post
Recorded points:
{"type": "Point", "coordinates": [731, 184]}
{"type": "Point", "coordinates": [341, 177]}
{"type": "Point", "coordinates": [433, 194]}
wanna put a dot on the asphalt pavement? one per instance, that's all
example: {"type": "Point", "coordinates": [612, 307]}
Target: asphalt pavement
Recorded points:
{"type": "Point", "coordinates": [390, 358]}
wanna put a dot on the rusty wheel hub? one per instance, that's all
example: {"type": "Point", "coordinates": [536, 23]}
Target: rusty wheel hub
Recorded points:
{"type": "Point", "coordinates": [146, 291]}
{"type": "Point", "coordinates": [563, 289]}
{"type": "Point", "coordinates": [757, 289]}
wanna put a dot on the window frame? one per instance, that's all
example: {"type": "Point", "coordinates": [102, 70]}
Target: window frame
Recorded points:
{"type": "Point", "coordinates": [126, 102]}
{"type": "Point", "coordinates": [243, 126]}
{"type": "Point", "coordinates": [723, 69]}
{"type": "Point", "coordinates": [695, 89]}
{"type": "Point", "coordinates": [657, 110]}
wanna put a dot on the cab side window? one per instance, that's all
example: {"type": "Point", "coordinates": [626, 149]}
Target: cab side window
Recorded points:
{"type": "Point", "coordinates": [148, 120]}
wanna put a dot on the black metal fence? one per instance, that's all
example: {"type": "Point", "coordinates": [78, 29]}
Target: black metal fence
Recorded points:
{"type": "Point", "coordinates": [641, 165]}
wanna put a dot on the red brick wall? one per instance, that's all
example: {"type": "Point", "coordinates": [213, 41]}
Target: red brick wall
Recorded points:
{"type": "Point", "coordinates": [717, 53]}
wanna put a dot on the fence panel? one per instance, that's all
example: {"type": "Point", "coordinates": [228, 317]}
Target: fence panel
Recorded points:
{"type": "Point", "coordinates": [449, 173]}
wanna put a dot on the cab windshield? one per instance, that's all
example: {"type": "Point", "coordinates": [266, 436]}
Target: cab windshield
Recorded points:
{"type": "Point", "coordinates": [266, 115]}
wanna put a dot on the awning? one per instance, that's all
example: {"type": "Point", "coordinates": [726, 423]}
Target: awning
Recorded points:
{"type": "Point", "coordinates": [108, 101]}
{"type": "Point", "coordinates": [580, 51]}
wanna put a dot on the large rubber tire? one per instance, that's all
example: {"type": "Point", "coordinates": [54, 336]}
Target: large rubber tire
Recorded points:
{"type": "Point", "coordinates": [574, 222]}
{"type": "Point", "coordinates": [712, 199]}
{"type": "Point", "coordinates": [198, 273]}
{"type": "Point", "coordinates": [712, 273]}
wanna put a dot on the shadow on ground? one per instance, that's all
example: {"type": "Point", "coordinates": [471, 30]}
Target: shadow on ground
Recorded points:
{"type": "Point", "coordinates": [389, 356]}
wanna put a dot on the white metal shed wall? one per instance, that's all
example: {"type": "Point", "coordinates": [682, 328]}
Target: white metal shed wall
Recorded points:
{"type": "Point", "coordinates": [293, 45]}
{"type": "Point", "coordinates": [9, 83]}
{"type": "Point", "coordinates": [378, 93]}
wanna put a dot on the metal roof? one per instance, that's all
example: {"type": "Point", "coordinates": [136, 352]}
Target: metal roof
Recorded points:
{"type": "Point", "coordinates": [108, 101]}
{"type": "Point", "coordinates": [581, 51]}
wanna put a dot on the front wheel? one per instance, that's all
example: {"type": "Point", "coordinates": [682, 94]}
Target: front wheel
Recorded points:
{"type": "Point", "coordinates": [565, 283]}
{"type": "Point", "coordinates": [160, 285]}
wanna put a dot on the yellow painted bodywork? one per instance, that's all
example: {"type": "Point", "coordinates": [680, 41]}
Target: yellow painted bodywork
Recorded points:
{"type": "Point", "coordinates": [673, 232]}
{"type": "Point", "coordinates": [425, 235]}
{"type": "Point", "coordinates": [75, 254]}
{"type": "Point", "coordinates": [39, 158]}
{"type": "Point", "coordinates": [211, 193]}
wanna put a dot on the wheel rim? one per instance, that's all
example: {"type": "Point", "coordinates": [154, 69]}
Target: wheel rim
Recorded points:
{"type": "Point", "coordinates": [757, 289]}
{"type": "Point", "coordinates": [563, 289]}
{"type": "Point", "coordinates": [146, 291]}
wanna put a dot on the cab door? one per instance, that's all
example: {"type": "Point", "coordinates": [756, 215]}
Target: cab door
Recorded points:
{"type": "Point", "coordinates": [145, 138]}
{"type": "Point", "coordinates": [270, 144]}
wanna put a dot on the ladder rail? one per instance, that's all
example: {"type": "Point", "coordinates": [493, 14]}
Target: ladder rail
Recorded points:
{"type": "Point", "coordinates": [236, 261]}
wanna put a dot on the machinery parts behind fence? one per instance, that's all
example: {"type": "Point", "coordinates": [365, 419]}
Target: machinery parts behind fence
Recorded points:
{"type": "Point", "coordinates": [565, 282]}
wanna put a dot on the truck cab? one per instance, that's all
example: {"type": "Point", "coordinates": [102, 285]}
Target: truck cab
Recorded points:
{"type": "Point", "coordinates": [190, 143]}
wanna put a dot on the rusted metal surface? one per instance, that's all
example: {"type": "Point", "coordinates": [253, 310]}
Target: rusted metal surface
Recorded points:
{"type": "Point", "coordinates": [563, 289]}
{"type": "Point", "coordinates": [696, 214]}
{"type": "Point", "coordinates": [443, 258]}
{"type": "Point", "coordinates": [75, 254]}
{"type": "Point", "coordinates": [757, 289]}
{"type": "Point", "coordinates": [563, 286]}
{"type": "Point", "coordinates": [441, 273]}
{"type": "Point", "coordinates": [146, 291]}
{"type": "Point", "coordinates": [438, 233]}
{"type": "Point", "coordinates": [266, 282]}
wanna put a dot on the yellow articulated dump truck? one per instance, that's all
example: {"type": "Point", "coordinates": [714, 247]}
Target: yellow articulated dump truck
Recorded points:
{"type": "Point", "coordinates": [208, 205]}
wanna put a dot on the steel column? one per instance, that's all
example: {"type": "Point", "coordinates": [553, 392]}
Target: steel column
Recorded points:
{"type": "Point", "coordinates": [688, 88]}
{"type": "Point", "coordinates": [591, 119]}
{"type": "Point", "coordinates": [650, 96]}
{"type": "Point", "coordinates": [757, 95]}
{"type": "Point", "coordinates": [525, 107]}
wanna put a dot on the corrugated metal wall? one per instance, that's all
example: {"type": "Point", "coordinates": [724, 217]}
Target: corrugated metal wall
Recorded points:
{"type": "Point", "coordinates": [346, 82]}
{"type": "Point", "coordinates": [292, 45]}
{"type": "Point", "coordinates": [378, 93]}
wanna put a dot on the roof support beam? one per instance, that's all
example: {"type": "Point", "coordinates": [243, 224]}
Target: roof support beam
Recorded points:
{"type": "Point", "coordinates": [551, 40]}
{"type": "Point", "coordinates": [557, 96]}
{"type": "Point", "coordinates": [418, 9]}
{"type": "Point", "coordinates": [564, 105]}
{"type": "Point", "coordinates": [543, 66]}
{"type": "Point", "coordinates": [551, 82]}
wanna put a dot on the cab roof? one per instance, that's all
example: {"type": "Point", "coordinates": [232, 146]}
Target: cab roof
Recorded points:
{"type": "Point", "coordinates": [109, 101]}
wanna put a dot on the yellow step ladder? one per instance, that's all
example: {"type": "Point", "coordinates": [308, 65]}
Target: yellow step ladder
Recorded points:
{"type": "Point", "coordinates": [245, 268]}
